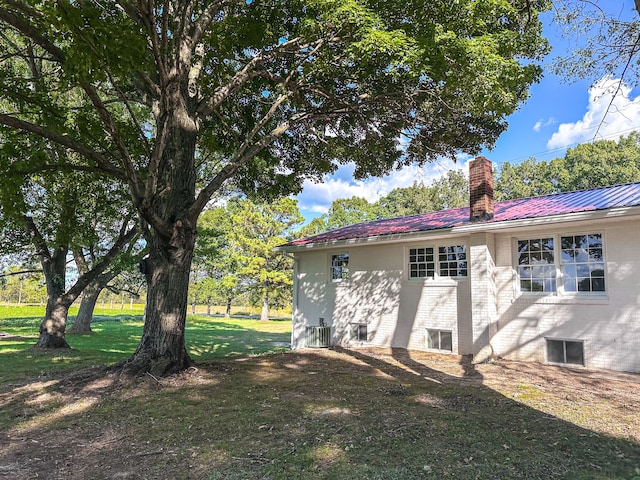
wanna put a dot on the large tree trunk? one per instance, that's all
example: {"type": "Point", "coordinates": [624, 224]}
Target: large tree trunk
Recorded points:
{"type": "Point", "coordinates": [82, 323]}
{"type": "Point", "coordinates": [162, 349]}
{"type": "Point", "coordinates": [52, 328]}
{"type": "Point", "coordinates": [227, 312]}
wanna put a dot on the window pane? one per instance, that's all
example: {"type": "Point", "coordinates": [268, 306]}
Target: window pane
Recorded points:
{"type": "Point", "coordinates": [567, 256]}
{"type": "Point", "coordinates": [537, 285]}
{"type": "Point", "coordinates": [445, 341]}
{"type": "Point", "coordinates": [595, 240]}
{"type": "Point", "coordinates": [581, 255]}
{"type": "Point", "coordinates": [570, 284]}
{"type": "Point", "coordinates": [555, 351]}
{"type": "Point", "coordinates": [421, 262]}
{"type": "Point", "coordinates": [595, 254]}
{"type": "Point", "coordinates": [583, 270]}
{"type": "Point", "coordinates": [582, 263]}
{"type": "Point", "coordinates": [584, 284]}
{"type": "Point", "coordinates": [433, 339]}
{"type": "Point", "coordinates": [362, 332]}
{"type": "Point", "coordinates": [574, 351]}
{"type": "Point", "coordinates": [340, 266]}
{"type": "Point", "coordinates": [597, 284]}
{"type": "Point", "coordinates": [523, 246]}
{"type": "Point", "coordinates": [569, 271]}
{"type": "Point", "coordinates": [453, 260]}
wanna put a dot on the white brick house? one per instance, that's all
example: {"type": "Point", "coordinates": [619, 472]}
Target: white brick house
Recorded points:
{"type": "Point", "coordinates": [551, 279]}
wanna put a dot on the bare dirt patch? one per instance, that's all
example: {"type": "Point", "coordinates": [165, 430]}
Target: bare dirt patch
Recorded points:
{"type": "Point", "coordinates": [325, 414]}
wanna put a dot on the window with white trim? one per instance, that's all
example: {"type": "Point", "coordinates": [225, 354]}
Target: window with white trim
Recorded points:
{"type": "Point", "coordinates": [566, 264]}
{"type": "Point", "coordinates": [450, 261]}
{"type": "Point", "coordinates": [565, 351]}
{"type": "Point", "coordinates": [582, 263]}
{"type": "Point", "coordinates": [536, 265]}
{"type": "Point", "coordinates": [358, 332]}
{"type": "Point", "coordinates": [421, 262]}
{"type": "Point", "coordinates": [439, 340]}
{"type": "Point", "coordinates": [339, 267]}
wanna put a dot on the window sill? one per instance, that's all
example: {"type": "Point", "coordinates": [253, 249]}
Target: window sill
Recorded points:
{"type": "Point", "coordinates": [529, 299]}
{"type": "Point", "coordinates": [435, 282]}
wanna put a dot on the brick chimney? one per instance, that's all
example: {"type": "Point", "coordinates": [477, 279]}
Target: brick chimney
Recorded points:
{"type": "Point", "coordinates": [480, 190]}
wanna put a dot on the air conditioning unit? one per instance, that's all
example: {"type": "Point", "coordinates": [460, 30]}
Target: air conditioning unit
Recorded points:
{"type": "Point", "coordinates": [318, 336]}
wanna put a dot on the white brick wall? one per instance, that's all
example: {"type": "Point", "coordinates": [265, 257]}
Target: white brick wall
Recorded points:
{"type": "Point", "coordinates": [397, 311]}
{"type": "Point", "coordinates": [485, 307]}
{"type": "Point", "coordinates": [609, 326]}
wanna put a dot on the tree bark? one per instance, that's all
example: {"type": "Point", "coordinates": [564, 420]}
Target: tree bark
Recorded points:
{"type": "Point", "coordinates": [52, 328]}
{"type": "Point", "coordinates": [227, 312]}
{"type": "Point", "coordinates": [162, 349]}
{"type": "Point", "coordinates": [171, 242]}
{"type": "Point", "coordinates": [82, 323]}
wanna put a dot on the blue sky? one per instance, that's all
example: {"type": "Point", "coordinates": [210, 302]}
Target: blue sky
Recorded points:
{"type": "Point", "coordinates": [557, 116]}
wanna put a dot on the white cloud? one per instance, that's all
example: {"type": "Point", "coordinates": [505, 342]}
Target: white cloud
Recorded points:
{"type": "Point", "coordinates": [316, 198]}
{"type": "Point", "coordinates": [540, 124]}
{"type": "Point", "coordinates": [606, 117]}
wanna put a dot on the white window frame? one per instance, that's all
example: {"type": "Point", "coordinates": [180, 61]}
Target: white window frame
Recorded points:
{"type": "Point", "coordinates": [355, 331]}
{"type": "Point", "coordinates": [345, 273]}
{"type": "Point", "coordinates": [423, 256]}
{"type": "Point", "coordinates": [558, 266]}
{"type": "Point", "coordinates": [564, 342]}
{"type": "Point", "coordinates": [439, 332]}
{"type": "Point", "coordinates": [436, 261]}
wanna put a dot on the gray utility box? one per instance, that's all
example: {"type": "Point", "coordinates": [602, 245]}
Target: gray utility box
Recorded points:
{"type": "Point", "coordinates": [318, 336]}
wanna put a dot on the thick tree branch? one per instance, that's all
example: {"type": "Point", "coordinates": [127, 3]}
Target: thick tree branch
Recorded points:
{"type": "Point", "coordinates": [102, 164]}
{"type": "Point", "coordinates": [32, 32]}
{"type": "Point", "coordinates": [127, 161]}
{"type": "Point", "coordinates": [205, 19]}
{"type": "Point", "coordinates": [125, 237]}
{"type": "Point", "coordinates": [223, 92]}
{"type": "Point", "coordinates": [239, 159]}
{"type": "Point", "coordinates": [21, 272]}
{"type": "Point", "coordinates": [42, 250]}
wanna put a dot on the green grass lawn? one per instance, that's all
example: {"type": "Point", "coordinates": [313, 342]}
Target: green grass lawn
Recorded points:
{"type": "Point", "coordinates": [116, 334]}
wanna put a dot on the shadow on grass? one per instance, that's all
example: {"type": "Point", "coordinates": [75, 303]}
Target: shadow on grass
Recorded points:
{"type": "Point", "coordinates": [115, 338]}
{"type": "Point", "coordinates": [307, 415]}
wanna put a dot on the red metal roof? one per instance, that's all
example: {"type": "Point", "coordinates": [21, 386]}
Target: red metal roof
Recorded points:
{"type": "Point", "coordinates": [526, 208]}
